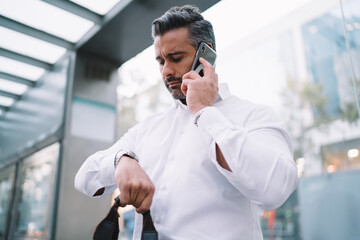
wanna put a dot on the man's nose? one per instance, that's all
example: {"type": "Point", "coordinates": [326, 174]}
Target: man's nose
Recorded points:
{"type": "Point", "coordinates": [168, 70]}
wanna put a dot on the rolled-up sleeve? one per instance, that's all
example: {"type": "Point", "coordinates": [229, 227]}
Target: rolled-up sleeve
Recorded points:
{"type": "Point", "coordinates": [258, 152]}
{"type": "Point", "coordinates": [97, 172]}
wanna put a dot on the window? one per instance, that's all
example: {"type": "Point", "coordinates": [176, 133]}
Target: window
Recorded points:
{"type": "Point", "coordinates": [36, 191]}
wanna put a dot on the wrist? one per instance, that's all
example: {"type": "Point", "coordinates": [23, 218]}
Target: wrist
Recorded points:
{"type": "Point", "coordinates": [124, 153]}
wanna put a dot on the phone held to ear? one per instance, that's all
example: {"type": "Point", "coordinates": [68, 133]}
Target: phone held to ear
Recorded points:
{"type": "Point", "coordinates": [206, 52]}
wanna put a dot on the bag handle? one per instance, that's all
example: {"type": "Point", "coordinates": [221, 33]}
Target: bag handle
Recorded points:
{"type": "Point", "coordinates": [108, 228]}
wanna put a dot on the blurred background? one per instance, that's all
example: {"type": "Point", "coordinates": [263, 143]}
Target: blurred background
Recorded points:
{"type": "Point", "coordinates": [75, 75]}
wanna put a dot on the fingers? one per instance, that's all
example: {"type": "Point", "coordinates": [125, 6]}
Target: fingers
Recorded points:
{"type": "Point", "coordinates": [145, 203]}
{"type": "Point", "coordinates": [192, 75]}
{"type": "Point", "coordinates": [208, 68]}
{"type": "Point", "coordinates": [184, 85]}
{"type": "Point", "coordinates": [136, 188]}
{"type": "Point", "coordinates": [137, 193]}
{"type": "Point", "coordinates": [124, 197]}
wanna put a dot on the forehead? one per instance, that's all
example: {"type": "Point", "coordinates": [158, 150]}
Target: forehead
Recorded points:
{"type": "Point", "coordinates": [173, 40]}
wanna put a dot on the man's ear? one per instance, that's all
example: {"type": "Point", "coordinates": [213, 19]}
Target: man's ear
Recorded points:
{"type": "Point", "coordinates": [210, 45]}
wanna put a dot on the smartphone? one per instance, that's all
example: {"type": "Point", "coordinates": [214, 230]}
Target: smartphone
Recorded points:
{"type": "Point", "coordinates": [206, 52]}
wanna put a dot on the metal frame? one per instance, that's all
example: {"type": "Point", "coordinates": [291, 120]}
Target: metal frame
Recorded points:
{"type": "Point", "coordinates": [25, 59]}
{"type": "Point", "coordinates": [16, 79]}
{"type": "Point", "coordinates": [33, 32]}
{"type": "Point", "coordinates": [76, 10]}
{"type": "Point", "coordinates": [10, 95]}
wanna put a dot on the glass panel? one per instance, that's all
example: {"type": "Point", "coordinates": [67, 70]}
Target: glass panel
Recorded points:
{"type": "Point", "coordinates": [249, 17]}
{"type": "Point", "coordinates": [6, 101]}
{"type": "Point", "coordinates": [47, 18]}
{"type": "Point", "coordinates": [38, 115]}
{"type": "Point", "coordinates": [6, 182]}
{"type": "Point", "coordinates": [141, 91]}
{"type": "Point", "coordinates": [23, 44]}
{"type": "Point", "coordinates": [352, 24]}
{"type": "Point", "coordinates": [12, 87]}
{"type": "Point", "coordinates": [100, 7]}
{"type": "Point", "coordinates": [326, 57]}
{"type": "Point", "coordinates": [26, 71]}
{"type": "Point", "coordinates": [36, 191]}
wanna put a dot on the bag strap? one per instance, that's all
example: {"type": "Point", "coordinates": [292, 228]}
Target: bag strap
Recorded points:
{"type": "Point", "coordinates": [108, 228]}
{"type": "Point", "coordinates": [149, 232]}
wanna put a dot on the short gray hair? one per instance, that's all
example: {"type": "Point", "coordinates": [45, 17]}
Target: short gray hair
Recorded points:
{"type": "Point", "coordinates": [200, 30]}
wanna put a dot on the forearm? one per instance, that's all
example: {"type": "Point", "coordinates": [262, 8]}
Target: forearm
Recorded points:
{"type": "Point", "coordinates": [220, 159]}
{"type": "Point", "coordinates": [261, 173]}
{"type": "Point", "coordinates": [96, 176]}
{"type": "Point", "coordinates": [257, 161]}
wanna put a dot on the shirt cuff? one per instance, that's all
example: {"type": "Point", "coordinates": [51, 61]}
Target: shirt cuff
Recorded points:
{"type": "Point", "coordinates": [198, 114]}
{"type": "Point", "coordinates": [213, 121]}
{"type": "Point", "coordinates": [107, 170]}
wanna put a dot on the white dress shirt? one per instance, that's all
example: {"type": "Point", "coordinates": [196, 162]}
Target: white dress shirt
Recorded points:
{"type": "Point", "coordinates": [195, 198]}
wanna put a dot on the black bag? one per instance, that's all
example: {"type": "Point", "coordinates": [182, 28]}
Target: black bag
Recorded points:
{"type": "Point", "coordinates": [108, 228]}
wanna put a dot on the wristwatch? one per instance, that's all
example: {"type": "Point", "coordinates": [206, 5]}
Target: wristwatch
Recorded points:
{"type": "Point", "coordinates": [123, 152]}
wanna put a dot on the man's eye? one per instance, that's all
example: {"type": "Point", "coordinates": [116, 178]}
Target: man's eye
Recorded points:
{"type": "Point", "coordinates": [176, 60]}
{"type": "Point", "coordinates": [161, 63]}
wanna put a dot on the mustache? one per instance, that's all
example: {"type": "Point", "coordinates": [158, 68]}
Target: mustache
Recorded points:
{"type": "Point", "coordinates": [172, 79]}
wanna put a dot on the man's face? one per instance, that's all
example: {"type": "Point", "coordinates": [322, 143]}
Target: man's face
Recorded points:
{"type": "Point", "coordinates": [175, 56]}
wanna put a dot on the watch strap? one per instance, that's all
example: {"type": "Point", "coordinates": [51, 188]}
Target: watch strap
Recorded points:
{"type": "Point", "coordinates": [127, 153]}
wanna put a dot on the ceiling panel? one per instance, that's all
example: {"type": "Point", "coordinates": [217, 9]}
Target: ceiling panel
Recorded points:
{"type": "Point", "coordinates": [35, 35]}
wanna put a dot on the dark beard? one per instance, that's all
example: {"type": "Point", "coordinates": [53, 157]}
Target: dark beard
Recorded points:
{"type": "Point", "coordinates": [175, 91]}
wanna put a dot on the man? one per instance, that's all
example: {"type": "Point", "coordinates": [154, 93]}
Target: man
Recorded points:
{"type": "Point", "coordinates": [209, 166]}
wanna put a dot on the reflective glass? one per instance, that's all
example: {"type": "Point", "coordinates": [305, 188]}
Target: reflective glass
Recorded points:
{"type": "Point", "coordinates": [100, 7]}
{"type": "Point", "coordinates": [27, 71]}
{"type": "Point", "coordinates": [47, 18]}
{"type": "Point", "coordinates": [36, 190]}
{"type": "Point", "coordinates": [248, 18]}
{"type": "Point", "coordinates": [352, 24]}
{"type": "Point", "coordinates": [33, 47]}
{"type": "Point", "coordinates": [12, 87]}
{"type": "Point", "coordinates": [5, 193]}
{"type": "Point", "coordinates": [141, 91]}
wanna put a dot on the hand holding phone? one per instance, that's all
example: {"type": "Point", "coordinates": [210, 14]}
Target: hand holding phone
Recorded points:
{"type": "Point", "coordinates": [206, 52]}
{"type": "Point", "coordinates": [201, 91]}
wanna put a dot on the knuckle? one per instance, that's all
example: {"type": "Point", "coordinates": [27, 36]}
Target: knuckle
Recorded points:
{"type": "Point", "coordinates": [148, 189]}
{"type": "Point", "coordinates": [140, 210]}
{"type": "Point", "coordinates": [136, 204]}
{"type": "Point", "coordinates": [135, 185]}
{"type": "Point", "coordinates": [126, 185]}
{"type": "Point", "coordinates": [124, 198]}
